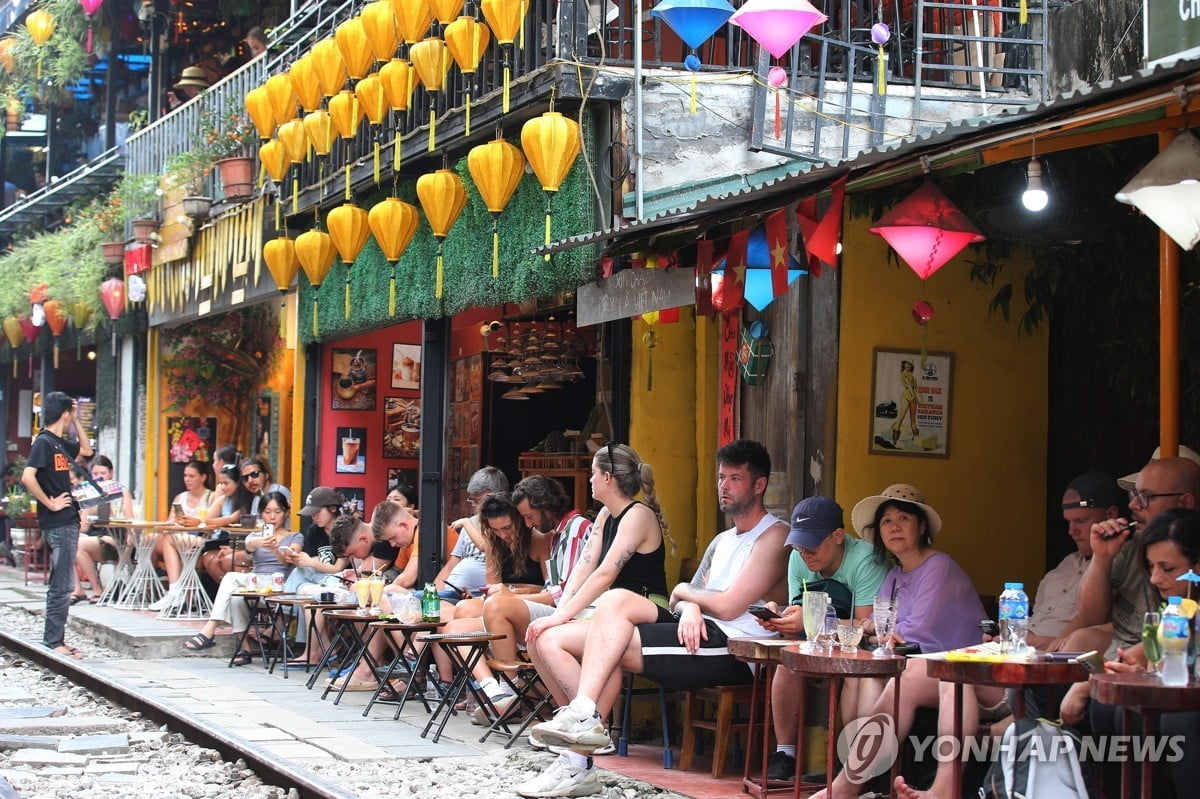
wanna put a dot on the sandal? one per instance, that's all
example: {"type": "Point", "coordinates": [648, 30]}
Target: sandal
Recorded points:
{"type": "Point", "coordinates": [241, 658]}
{"type": "Point", "coordinates": [92, 600]}
{"type": "Point", "coordinates": [199, 642]}
{"type": "Point", "coordinates": [69, 651]}
{"type": "Point", "coordinates": [77, 598]}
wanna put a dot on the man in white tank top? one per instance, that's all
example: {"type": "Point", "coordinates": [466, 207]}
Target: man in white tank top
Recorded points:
{"type": "Point", "coordinates": [684, 649]}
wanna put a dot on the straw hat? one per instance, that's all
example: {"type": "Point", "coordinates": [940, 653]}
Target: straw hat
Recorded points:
{"type": "Point", "coordinates": [192, 76]}
{"type": "Point", "coordinates": [863, 515]}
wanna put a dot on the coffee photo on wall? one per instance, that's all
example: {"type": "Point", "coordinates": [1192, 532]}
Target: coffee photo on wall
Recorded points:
{"type": "Point", "coordinates": [351, 456]}
{"type": "Point", "coordinates": [401, 427]}
{"type": "Point", "coordinates": [354, 378]}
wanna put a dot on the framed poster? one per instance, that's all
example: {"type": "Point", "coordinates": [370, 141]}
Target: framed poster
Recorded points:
{"type": "Point", "coordinates": [349, 454]}
{"type": "Point", "coordinates": [910, 403]}
{"type": "Point", "coordinates": [401, 477]}
{"type": "Point", "coordinates": [401, 427]}
{"type": "Point", "coordinates": [356, 500]}
{"type": "Point", "coordinates": [406, 366]}
{"type": "Point", "coordinates": [354, 378]}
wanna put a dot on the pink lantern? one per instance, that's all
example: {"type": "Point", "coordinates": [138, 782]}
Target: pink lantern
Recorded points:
{"type": "Point", "coordinates": [90, 7]}
{"type": "Point", "coordinates": [112, 294]}
{"type": "Point", "coordinates": [777, 24]}
{"type": "Point", "coordinates": [926, 230]}
{"type": "Point", "coordinates": [922, 312]}
{"type": "Point", "coordinates": [31, 333]}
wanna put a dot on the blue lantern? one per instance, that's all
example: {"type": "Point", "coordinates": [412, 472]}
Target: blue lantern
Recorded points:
{"type": "Point", "coordinates": [693, 21]}
{"type": "Point", "coordinates": [759, 291]}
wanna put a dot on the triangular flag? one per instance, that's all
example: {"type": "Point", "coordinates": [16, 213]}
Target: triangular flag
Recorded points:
{"type": "Point", "coordinates": [704, 262]}
{"type": "Point", "coordinates": [821, 236]}
{"type": "Point", "coordinates": [733, 287]}
{"type": "Point", "coordinates": [775, 227]}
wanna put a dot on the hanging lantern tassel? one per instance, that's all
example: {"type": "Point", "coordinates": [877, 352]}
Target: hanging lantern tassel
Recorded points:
{"type": "Point", "coordinates": [296, 190]}
{"type": "Point", "coordinates": [437, 277]}
{"type": "Point", "coordinates": [507, 52]}
{"type": "Point", "coordinates": [1023, 17]}
{"type": "Point", "coordinates": [432, 123]}
{"type": "Point", "coordinates": [549, 200]}
{"type": "Point", "coordinates": [278, 210]}
{"type": "Point", "coordinates": [376, 164]}
{"type": "Point", "coordinates": [87, 47]}
{"type": "Point", "coordinates": [346, 296]}
{"type": "Point", "coordinates": [392, 292]}
{"type": "Point", "coordinates": [692, 62]}
{"type": "Point", "coordinates": [524, 11]}
{"type": "Point", "coordinates": [881, 34]}
{"type": "Point", "coordinates": [495, 246]}
{"type": "Point", "coordinates": [349, 161]}
{"type": "Point", "coordinates": [314, 312]}
{"type": "Point", "coordinates": [650, 339]}
{"type": "Point", "coordinates": [777, 77]}
{"type": "Point", "coordinates": [396, 150]}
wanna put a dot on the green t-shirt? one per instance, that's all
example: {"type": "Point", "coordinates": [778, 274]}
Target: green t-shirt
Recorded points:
{"type": "Point", "coordinates": [860, 571]}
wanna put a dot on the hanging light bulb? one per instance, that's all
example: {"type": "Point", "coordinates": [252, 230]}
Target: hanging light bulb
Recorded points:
{"type": "Point", "coordinates": [1034, 197]}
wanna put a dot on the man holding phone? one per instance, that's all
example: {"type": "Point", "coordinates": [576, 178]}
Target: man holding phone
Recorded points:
{"type": "Point", "coordinates": [824, 558]}
{"type": "Point", "coordinates": [47, 478]}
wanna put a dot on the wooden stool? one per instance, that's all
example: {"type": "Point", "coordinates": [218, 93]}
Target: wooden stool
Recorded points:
{"type": "Point", "coordinates": [725, 697]}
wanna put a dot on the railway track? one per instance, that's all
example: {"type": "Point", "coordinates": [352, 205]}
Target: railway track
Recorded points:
{"type": "Point", "coordinates": [289, 776]}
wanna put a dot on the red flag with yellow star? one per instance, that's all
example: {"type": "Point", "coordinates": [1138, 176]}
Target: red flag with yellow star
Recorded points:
{"type": "Point", "coordinates": [775, 227]}
{"type": "Point", "coordinates": [733, 286]}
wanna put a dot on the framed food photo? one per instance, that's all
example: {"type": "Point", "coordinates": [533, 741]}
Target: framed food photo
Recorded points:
{"type": "Point", "coordinates": [406, 366]}
{"type": "Point", "coordinates": [349, 452]}
{"type": "Point", "coordinates": [354, 377]}
{"type": "Point", "coordinates": [401, 427]}
{"type": "Point", "coordinates": [910, 403]}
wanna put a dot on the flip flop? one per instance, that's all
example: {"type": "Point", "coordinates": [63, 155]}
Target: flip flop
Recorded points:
{"type": "Point", "coordinates": [69, 651]}
{"type": "Point", "coordinates": [77, 598]}
{"type": "Point", "coordinates": [199, 642]}
{"type": "Point", "coordinates": [241, 658]}
{"type": "Point", "coordinates": [92, 600]}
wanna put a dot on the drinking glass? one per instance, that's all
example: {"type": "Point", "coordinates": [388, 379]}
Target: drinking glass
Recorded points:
{"type": "Point", "coordinates": [137, 510]}
{"type": "Point", "coordinates": [827, 639]}
{"type": "Point", "coordinates": [883, 614]}
{"type": "Point", "coordinates": [849, 634]}
{"type": "Point", "coordinates": [376, 586]}
{"type": "Point", "coordinates": [362, 590]}
{"type": "Point", "coordinates": [1151, 646]}
{"type": "Point", "coordinates": [814, 604]}
{"type": "Point", "coordinates": [202, 515]}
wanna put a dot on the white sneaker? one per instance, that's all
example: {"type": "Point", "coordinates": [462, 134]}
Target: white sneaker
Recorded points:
{"type": "Point", "coordinates": [571, 730]}
{"type": "Point", "coordinates": [561, 779]}
{"type": "Point", "coordinates": [502, 703]}
{"type": "Point", "coordinates": [166, 599]}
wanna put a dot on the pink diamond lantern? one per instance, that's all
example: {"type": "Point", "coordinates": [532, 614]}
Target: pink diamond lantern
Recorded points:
{"type": "Point", "coordinates": [777, 24]}
{"type": "Point", "coordinates": [927, 230]}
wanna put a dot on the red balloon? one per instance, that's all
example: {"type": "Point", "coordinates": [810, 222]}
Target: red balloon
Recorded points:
{"type": "Point", "coordinates": [922, 312]}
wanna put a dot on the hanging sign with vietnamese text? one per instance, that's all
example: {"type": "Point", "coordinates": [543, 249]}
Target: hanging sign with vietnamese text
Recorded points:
{"type": "Point", "coordinates": [634, 291]}
{"type": "Point", "coordinates": [1172, 30]}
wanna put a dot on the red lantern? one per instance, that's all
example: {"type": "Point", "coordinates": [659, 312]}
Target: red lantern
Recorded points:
{"type": "Point", "coordinates": [922, 312]}
{"type": "Point", "coordinates": [31, 333]}
{"type": "Point", "coordinates": [926, 230]}
{"type": "Point", "coordinates": [56, 320]}
{"type": "Point", "coordinates": [112, 294]}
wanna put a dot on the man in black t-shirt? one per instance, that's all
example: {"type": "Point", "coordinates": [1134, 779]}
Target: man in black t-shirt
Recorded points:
{"type": "Point", "coordinates": [47, 478]}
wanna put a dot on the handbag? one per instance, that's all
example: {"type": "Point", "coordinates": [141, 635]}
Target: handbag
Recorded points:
{"type": "Point", "coordinates": [89, 492]}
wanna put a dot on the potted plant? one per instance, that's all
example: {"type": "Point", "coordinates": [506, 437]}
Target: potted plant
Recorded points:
{"type": "Point", "coordinates": [226, 135]}
{"type": "Point", "coordinates": [138, 196]}
{"type": "Point", "coordinates": [108, 216]}
{"type": "Point", "coordinates": [189, 170]}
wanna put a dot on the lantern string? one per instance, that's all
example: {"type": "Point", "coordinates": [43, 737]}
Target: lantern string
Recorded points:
{"type": "Point", "coordinates": [881, 72]}
{"type": "Point", "coordinates": [437, 280]}
{"type": "Point", "coordinates": [392, 292]}
{"type": "Point", "coordinates": [495, 246]}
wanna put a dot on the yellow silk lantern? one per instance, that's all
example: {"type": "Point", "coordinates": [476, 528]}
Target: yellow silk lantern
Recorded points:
{"type": "Point", "coordinates": [380, 26]}
{"type": "Point", "coordinates": [282, 263]}
{"type": "Point", "coordinates": [446, 10]}
{"type": "Point", "coordinates": [346, 113]}
{"type": "Point", "coordinates": [551, 143]}
{"type": "Point", "coordinates": [6, 57]}
{"type": "Point", "coordinates": [274, 158]}
{"type": "Point", "coordinates": [430, 60]}
{"type": "Point", "coordinates": [496, 168]}
{"type": "Point", "coordinates": [504, 17]}
{"type": "Point", "coordinates": [294, 140]}
{"type": "Point", "coordinates": [399, 80]}
{"type": "Point", "coordinates": [412, 19]}
{"type": "Point", "coordinates": [393, 222]}
{"type": "Point", "coordinates": [282, 96]}
{"type": "Point", "coordinates": [41, 25]}
{"type": "Point", "coordinates": [258, 106]}
{"type": "Point", "coordinates": [374, 105]}
{"type": "Point", "coordinates": [329, 67]}
{"type": "Point", "coordinates": [349, 229]}
{"type": "Point", "coordinates": [442, 196]}
{"type": "Point", "coordinates": [315, 251]}
{"type": "Point", "coordinates": [318, 127]}
{"type": "Point", "coordinates": [467, 40]}
{"type": "Point", "coordinates": [303, 76]}
{"type": "Point", "coordinates": [355, 48]}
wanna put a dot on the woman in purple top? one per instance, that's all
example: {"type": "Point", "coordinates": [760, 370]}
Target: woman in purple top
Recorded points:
{"type": "Point", "coordinates": [937, 609]}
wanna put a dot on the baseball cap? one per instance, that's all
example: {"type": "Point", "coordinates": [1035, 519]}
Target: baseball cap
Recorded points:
{"type": "Point", "coordinates": [813, 519]}
{"type": "Point", "coordinates": [1096, 490]}
{"type": "Point", "coordinates": [321, 497]}
{"type": "Point", "coordinates": [1129, 481]}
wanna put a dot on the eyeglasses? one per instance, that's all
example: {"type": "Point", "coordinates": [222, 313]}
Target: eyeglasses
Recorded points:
{"type": "Point", "coordinates": [252, 475]}
{"type": "Point", "coordinates": [1143, 498]}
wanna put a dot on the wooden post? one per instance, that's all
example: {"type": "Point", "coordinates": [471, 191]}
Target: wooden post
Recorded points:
{"type": "Point", "coordinates": [1168, 330]}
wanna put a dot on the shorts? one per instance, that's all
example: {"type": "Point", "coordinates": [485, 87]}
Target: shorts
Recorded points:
{"type": "Point", "coordinates": [668, 662]}
{"type": "Point", "coordinates": [538, 610]}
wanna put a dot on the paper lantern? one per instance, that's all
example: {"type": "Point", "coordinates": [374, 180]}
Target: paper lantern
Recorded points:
{"type": "Point", "coordinates": [551, 143]}
{"type": "Point", "coordinates": [759, 290]}
{"type": "Point", "coordinates": [6, 57]}
{"type": "Point", "coordinates": [329, 67]}
{"type": "Point", "coordinates": [258, 106]}
{"type": "Point", "coordinates": [319, 128]}
{"type": "Point", "coordinates": [56, 320]}
{"type": "Point", "coordinates": [354, 47]}
{"type": "Point", "coordinates": [777, 24]}
{"type": "Point", "coordinates": [398, 80]}
{"type": "Point", "coordinates": [349, 230]}
{"type": "Point", "coordinates": [926, 230]}
{"type": "Point", "coordinates": [393, 222]}
{"type": "Point", "coordinates": [293, 137]}
{"type": "Point", "coordinates": [1167, 190]}
{"type": "Point", "coordinates": [30, 331]}
{"type": "Point", "coordinates": [430, 60]}
{"type": "Point", "coordinates": [280, 256]}
{"type": "Point", "coordinates": [90, 7]}
{"type": "Point", "coordinates": [413, 18]}
{"type": "Point", "coordinates": [315, 251]}
{"type": "Point", "coordinates": [81, 315]}
{"type": "Point", "coordinates": [346, 113]}
{"type": "Point", "coordinates": [41, 25]}
{"type": "Point", "coordinates": [496, 168]}
{"type": "Point", "coordinates": [442, 196]}
{"type": "Point", "coordinates": [112, 295]}
{"type": "Point", "coordinates": [282, 95]}
{"type": "Point", "coordinates": [374, 104]}
{"type": "Point", "coordinates": [274, 158]}
{"type": "Point", "coordinates": [694, 21]}
{"type": "Point", "coordinates": [467, 41]}
{"type": "Point", "coordinates": [444, 11]}
{"type": "Point", "coordinates": [303, 75]}
{"type": "Point", "coordinates": [504, 17]}
{"type": "Point", "coordinates": [380, 26]}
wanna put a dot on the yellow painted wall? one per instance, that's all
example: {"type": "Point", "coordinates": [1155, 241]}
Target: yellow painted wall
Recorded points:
{"type": "Point", "coordinates": [673, 427]}
{"type": "Point", "coordinates": [991, 490]}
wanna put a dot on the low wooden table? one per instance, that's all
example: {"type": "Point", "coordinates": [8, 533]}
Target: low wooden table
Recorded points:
{"type": "Point", "coordinates": [406, 652]}
{"type": "Point", "coordinates": [836, 668]}
{"type": "Point", "coordinates": [1145, 695]}
{"type": "Point", "coordinates": [1002, 674]}
{"type": "Point", "coordinates": [453, 644]}
{"type": "Point", "coordinates": [352, 628]}
{"type": "Point", "coordinates": [766, 654]}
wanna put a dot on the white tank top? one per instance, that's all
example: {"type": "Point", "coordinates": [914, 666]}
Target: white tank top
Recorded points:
{"type": "Point", "coordinates": [730, 554]}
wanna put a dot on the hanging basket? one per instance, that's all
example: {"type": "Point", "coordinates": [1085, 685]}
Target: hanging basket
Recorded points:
{"type": "Point", "coordinates": [197, 207]}
{"type": "Point", "coordinates": [237, 176]}
{"type": "Point", "coordinates": [113, 252]}
{"type": "Point", "coordinates": [143, 229]}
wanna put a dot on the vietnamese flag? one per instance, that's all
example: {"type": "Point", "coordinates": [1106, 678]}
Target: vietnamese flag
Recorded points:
{"type": "Point", "coordinates": [775, 227]}
{"type": "Point", "coordinates": [733, 287]}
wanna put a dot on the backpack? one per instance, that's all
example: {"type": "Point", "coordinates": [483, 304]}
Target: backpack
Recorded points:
{"type": "Point", "coordinates": [1049, 769]}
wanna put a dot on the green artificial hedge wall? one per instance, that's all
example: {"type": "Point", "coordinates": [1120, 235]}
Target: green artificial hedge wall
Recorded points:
{"type": "Point", "coordinates": [467, 255]}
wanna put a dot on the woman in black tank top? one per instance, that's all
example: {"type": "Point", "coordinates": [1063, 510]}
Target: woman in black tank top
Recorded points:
{"type": "Point", "coordinates": [508, 543]}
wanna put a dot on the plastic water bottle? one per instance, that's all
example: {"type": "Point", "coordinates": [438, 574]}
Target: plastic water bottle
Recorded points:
{"type": "Point", "coordinates": [431, 605]}
{"type": "Point", "coordinates": [831, 625]}
{"type": "Point", "coordinates": [1173, 634]}
{"type": "Point", "coordinates": [1014, 619]}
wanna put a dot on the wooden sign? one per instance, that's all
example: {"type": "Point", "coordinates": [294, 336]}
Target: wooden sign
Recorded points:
{"type": "Point", "coordinates": [634, 291]}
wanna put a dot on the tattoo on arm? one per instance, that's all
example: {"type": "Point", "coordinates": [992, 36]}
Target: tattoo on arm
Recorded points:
{"type": "Point", "coordinates": [694, 591]}
{"type": "Point", "coordinates": [624, 558]}
{"type": "Point", "coordinates": [700, 579]}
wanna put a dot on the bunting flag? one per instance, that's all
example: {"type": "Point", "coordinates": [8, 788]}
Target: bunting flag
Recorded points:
{"type": "Point", "coordinates": [821, 235]}
{"type": "Point", "coordinates": [607, 266]}
{"type": "Point", "coordinates": [775, 227]}
{"type": "Point", "coordinates": [704, 262]}
{"type": "Point", "coordinates": [733, 287]}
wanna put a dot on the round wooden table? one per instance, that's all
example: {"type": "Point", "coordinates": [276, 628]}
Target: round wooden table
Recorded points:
{"type": "Point", "coordinates": [1145, 695]}
{"type": "Point", "coordinates": [837, 667]}
{"type": "Point", "coordinates": [1002, 674]}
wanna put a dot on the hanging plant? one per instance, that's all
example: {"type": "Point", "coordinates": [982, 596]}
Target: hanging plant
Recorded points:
{"type": "Point", "coordinates": [62, 59]}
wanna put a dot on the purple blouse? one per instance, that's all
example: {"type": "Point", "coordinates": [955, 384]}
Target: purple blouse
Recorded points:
{"type": "Point", "coordinates": [939, 608]}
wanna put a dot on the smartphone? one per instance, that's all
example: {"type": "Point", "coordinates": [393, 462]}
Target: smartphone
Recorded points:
{"type": "Point", "coordinates": [907, 649]}
{"type": "Point", "coordinates": [763, 612]}
{"type": "Point", "coordinates": [268, 530]}
{"type": "Point", "coordinates": [989, 627]}
{"type": "Point", "coordinates": [1092, 661]}
{"type": "Point", "coordinates": [177, 508]}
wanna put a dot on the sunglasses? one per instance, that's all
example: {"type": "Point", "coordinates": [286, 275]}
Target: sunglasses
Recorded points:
{"type": "Point", "coordinates": [612, 463]}
{"type": "Point", "coordinates": [251, 475]}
